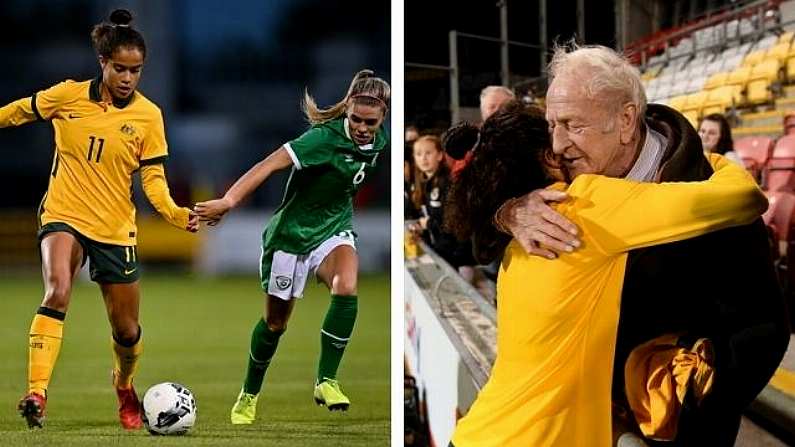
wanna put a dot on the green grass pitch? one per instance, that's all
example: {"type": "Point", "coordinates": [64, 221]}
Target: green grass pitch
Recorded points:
{"type": "Point", "coordinates": [196, 332]}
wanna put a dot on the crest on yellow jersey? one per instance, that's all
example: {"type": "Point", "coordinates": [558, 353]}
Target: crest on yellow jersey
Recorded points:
{"type": "Point", "coordinates": [127, 129]}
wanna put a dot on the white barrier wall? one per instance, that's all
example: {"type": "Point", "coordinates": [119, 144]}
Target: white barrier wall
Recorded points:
{"type": "Point", "coordinates": [433, 360]}
{"type": "Point", "coordinates": [234, 245]}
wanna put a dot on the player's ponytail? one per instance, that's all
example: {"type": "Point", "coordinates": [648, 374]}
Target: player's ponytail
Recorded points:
{"type": "Point", "coordinates": [460, 139]}
{"type": "Point", "coordinates": [107, 37]}
{"type": "Point", "coordinates": [365, 88]}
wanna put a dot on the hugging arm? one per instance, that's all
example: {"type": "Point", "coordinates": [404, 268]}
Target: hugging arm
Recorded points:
{"type": "Point", "coordinates": [622, 215]}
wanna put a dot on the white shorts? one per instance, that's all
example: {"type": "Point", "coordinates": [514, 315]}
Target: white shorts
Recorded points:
{"type": "Point", "coordinates": [288, 273]}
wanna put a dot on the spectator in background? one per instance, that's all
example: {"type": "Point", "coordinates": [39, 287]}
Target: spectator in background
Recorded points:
{"type": "Point", "coordinates": [409, 210]}
{"type": "Point", "coordinates": [431, 183]}
{"type": "Point", "coordinates": [411, 134]}
{"type": "Point", "coordinates": [716, 137]}
{"type": "Point", "coordinates": [491, 99]}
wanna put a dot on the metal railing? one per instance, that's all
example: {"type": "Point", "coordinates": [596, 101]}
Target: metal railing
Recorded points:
{"type": "Point", "coordinates": [468, 319]}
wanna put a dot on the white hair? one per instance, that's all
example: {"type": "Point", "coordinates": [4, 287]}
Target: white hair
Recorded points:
{"type": "Point", "coordinates": [496, 88]}
{"type": "Point", "coordinates": [610, 76]}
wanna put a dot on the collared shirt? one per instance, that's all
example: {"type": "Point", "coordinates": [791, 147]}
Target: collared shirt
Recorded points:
{"type": "Point", "coordinates": [648, 162]}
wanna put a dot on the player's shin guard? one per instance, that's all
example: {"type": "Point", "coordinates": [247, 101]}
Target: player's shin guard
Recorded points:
{"type": "Point", "coordinates": [334, 336]}
{"type": "Point", "coordinates": [46, 333]}
{"type": "Point", "coordinates": [125, 361]}
{"type": "Point", "coordinates": [264, 342]}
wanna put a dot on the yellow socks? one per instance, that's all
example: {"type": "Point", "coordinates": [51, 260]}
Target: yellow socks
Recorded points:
{"type": "Point", "coordinates": [125, 361]}
{"type": "Point", "coordinates": [46, 333]}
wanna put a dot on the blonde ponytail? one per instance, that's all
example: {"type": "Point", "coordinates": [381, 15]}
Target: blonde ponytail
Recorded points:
{"type": "Point", "coordinates": [365, 88]}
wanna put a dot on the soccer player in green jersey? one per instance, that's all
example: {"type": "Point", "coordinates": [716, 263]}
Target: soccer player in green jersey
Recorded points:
{"type": "Point", "coordinates": [312, 230]}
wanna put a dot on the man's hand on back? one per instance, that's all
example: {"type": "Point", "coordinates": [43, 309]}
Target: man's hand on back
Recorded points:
{"type": "Point", "coordinates": [538, 228]}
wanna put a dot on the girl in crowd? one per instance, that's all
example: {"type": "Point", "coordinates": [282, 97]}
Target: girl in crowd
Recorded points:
{"type": "Point", "coordinates": [716, 137]}
{"type": "Point", "coordinates": [432, 181]}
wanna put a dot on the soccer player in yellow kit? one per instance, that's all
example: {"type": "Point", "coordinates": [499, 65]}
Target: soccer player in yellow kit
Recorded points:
{"type": "Point", "coordinates": [105, 131]}
{"type": "Point", "coordinates": [557, 319]}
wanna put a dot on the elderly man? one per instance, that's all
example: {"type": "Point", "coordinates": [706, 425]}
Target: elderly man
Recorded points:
{"type": "Point", "coordinates": [721, 287]}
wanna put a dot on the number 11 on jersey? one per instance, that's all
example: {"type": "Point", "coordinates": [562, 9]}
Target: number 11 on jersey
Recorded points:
{"type": "Point", "coordinates": [94, 139]}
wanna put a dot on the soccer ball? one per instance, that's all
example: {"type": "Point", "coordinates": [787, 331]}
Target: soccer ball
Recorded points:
{"type": "Point", "coordinates": [168, 409]}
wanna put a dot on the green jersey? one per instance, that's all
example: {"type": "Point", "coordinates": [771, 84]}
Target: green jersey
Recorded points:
{"type": "Point", "coordinates": [328, 169]}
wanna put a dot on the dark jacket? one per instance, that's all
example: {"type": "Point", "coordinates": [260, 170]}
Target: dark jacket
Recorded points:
{"type": "Point", "coordinates": [445, 244]}
{"type": "Point", "coordinates": [409, 211]}
{"type": "Point", "coordinates": [721, 286]}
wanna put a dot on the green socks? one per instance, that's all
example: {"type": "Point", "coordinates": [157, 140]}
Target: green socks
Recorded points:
{"type": "Point", "coordinates": [334, 336]}
{"type": "Point", "coordinates": [263, 345]}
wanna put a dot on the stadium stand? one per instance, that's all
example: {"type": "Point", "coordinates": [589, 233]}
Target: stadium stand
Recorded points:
{"type": "Point", "coordinates": [781, 165]}
{"type": "Point", "coordinates": [741, 63]}
{"type": "Point", "coordinates": [755, 153]}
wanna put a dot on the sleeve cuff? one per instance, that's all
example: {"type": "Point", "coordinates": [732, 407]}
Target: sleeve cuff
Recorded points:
{"type": "Point", "coordinates": [153, 161]}
{"type": "Point", "coordinates": [293, 157]}
{"type": "Point", "coordinates": [35, 108]}
{"type": "Point", "coordinates": [181, 218]}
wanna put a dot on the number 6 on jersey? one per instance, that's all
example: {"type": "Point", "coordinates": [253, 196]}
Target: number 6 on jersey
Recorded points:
{"type": "Point", "coordinates": [359, 177]}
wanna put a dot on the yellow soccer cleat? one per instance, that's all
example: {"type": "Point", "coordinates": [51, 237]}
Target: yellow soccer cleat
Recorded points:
{"type": "Point", "coordinates": [328, 393]}
{"type": "Point", "coordinates": [245, 409]}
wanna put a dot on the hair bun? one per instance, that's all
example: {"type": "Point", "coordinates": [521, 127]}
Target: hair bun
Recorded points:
{"type": "Point", "coordinates": [460, 139]}
{"type": "Point", "coordinates": [121, 17]}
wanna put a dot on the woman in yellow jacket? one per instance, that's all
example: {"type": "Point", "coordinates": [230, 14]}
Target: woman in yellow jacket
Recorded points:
{"type": "Point", "coordinates": [557, 319]}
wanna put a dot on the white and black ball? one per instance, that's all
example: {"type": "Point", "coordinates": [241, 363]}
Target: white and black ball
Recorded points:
{"type": "Point", "coordinates": [168, 409]}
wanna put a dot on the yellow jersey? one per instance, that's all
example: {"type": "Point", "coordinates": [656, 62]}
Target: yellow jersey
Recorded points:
{"type": "Point", "coordinates": [98, 147]}
{"type": "Point", "coordinates": [557, 320]}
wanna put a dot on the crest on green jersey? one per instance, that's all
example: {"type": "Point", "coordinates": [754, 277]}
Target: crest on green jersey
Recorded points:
{"type": "Point", "coordinates": [283, 282]}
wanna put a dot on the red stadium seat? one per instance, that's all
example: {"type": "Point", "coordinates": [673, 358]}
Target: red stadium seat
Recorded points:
{"type": "Point", "coordinates": [779, 215]}
{"type": "Point", "coordinates": [789, 123]}
{"type": "Point", "coordinates": [781, 165]}
{"type": "Point", "coordinates": [755, 153]}
{"type": "Point", "coordinates": [779, 220]}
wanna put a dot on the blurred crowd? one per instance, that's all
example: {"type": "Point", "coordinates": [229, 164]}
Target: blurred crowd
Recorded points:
{"type": "Point", "coordinates": [430, 166]}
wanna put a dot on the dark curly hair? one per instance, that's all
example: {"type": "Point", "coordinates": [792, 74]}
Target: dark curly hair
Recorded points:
{"type": "Point", "coordinates": [460, 139]}
{"type": "Point", "coordinates": [508, 162]}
